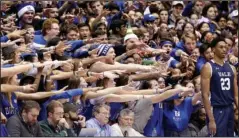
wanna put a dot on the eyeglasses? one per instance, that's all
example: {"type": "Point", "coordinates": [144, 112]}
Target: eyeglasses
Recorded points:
{"type": "Point", "coordinates": [59, 114]}
{"type": "Point", "coordinates": [105, 113]}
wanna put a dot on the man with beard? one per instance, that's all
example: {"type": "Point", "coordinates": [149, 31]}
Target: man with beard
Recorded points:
{"type": "Point", "coordinates": [101, 113]}
{"type": "Point", "coordinates": [55, 125]}
{"type": "Point", "coordinates": [25, 123]}
{"type": "Point", "coordinates": [75, 121]}
{"type": "Point", "coordinates": [124, 127]}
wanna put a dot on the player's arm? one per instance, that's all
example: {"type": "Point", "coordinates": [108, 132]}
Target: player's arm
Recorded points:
{"type": "Point", "coordinates": [205, 85]}
{"type": "Point", "coordinates": [235, 86]}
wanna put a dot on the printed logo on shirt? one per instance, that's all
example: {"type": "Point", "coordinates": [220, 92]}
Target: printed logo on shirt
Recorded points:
{"type": "Point", "coordinates": [177, 116]}
{"type": "Point", "coordinates": [10, 110]}
{"type": "Point", "coordinates": [177, 113]}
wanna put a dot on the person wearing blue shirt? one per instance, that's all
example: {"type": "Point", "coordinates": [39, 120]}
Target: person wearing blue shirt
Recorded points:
{"type": "Point", "coordinates": [177, 114]}
{"type": "Point", "coordinates": [167, 44]}
{"type": "Point", "coordinates": [189, 44]}
{"type": "Point", "coordinates": [50, 29]}
{"type": "Point", "coordinates": [101, 113]}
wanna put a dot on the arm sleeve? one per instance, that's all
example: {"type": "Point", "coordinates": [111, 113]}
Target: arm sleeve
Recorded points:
{"type": "Point", "coordinates": [4, 39]}
{"type": "Point", "coordinates": [81, 54]}
{"type": "Point", "coordinates": [172, 98]}
{"type": "Point", "coordinates": [173, 63]}
{"type": "Point", "coordinates": [188, 9]}
{"type": "Point", "coordinates": [173, 53]}
{"type": "Point", "coordinates": [89, 125]}
{"type": "Point", "coordinates": [75, 44]}
{"type": "Point", "coordinates": [67, 94]}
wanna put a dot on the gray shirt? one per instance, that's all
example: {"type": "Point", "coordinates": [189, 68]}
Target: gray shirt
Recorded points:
{"type": "Point", "coordinates": [18, 128]}
{"type": "Point", "coordinates": [142, 110]}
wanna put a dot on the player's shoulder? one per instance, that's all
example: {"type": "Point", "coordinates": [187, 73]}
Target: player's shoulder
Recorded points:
{"type": "Point", "coordinates": [206, 66]}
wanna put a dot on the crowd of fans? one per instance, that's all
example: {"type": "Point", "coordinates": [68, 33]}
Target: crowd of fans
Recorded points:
{"type": "Point", "coordinates": [118, 68]}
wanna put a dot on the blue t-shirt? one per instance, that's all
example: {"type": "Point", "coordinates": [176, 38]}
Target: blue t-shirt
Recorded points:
{"type": "Point", "coordinates": [7, 109]}
{"type": "Point", "coordinates": [177, 119]}
{"type": "Point", "coordinates": [155, 121]}
{"type": "Point", "coordinates": [115, 109]}
{"type": "Point", "coordinates": [4, 132]}
{"type": "Point", "coordinates": [200, 63]}
{"type": "Point", "coordinates": [39, 42]}
{"type": "Point", "coordinates": [87, 109]}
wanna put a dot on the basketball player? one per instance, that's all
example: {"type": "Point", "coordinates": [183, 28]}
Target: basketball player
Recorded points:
{"type": "Point", "coordinates": [219, 86]}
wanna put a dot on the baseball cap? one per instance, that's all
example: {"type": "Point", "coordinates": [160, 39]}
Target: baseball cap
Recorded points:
{"type": "Point", "coordinates": [177, 3]}
{"type": "Point", "coordinates": [149, 18]}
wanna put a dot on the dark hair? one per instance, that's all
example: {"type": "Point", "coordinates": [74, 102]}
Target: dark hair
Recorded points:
{"type": "Point", "coordinates": [153, 8]}
{"type": "Point", "coordinates": [27, 80]}
{"type": "Point", "coordinates": [98, 32]}
{"type": "Point", "coordinates": [95, 27]}
{"type": "Point", "coordinates": [200, 25]}
{"type": "Point", "coordinates": [54, 41]}
{"type": "Point", "coordinates": [117, 24]}
{"type": "Point", "coordinates": [92, 2]}
{"type": "Point", "coordinates": [203, 48]}
{"type": "Point", "coordinates": [71, 27]}
{"type": "Point", "coordinates": [185, 82]}
{"type": "Point", "coordinates": [30, 104]}
{"type": "Point", "coordinates": [112, 6]}
{"type": "Point", "coordinates": [205, 9]}
{"type": "Point", "coordinates": [83, 25]}
{"type": "Point", "coordinates": [203, 36]}
{"type": "Point", "coordinates": [73, 82]}
{"type": "Point", "coordinates": [221, 15]}
{"type": "Point", "coordinates": [183, 27]}
{"type": "Point", "coordinates": [215, 41]}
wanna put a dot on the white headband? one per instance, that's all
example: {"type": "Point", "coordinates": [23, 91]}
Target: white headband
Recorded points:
{"type": "Point", "coordinates": [25, 9]}
{"type": "Point", "coordinates": [128, 36]}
